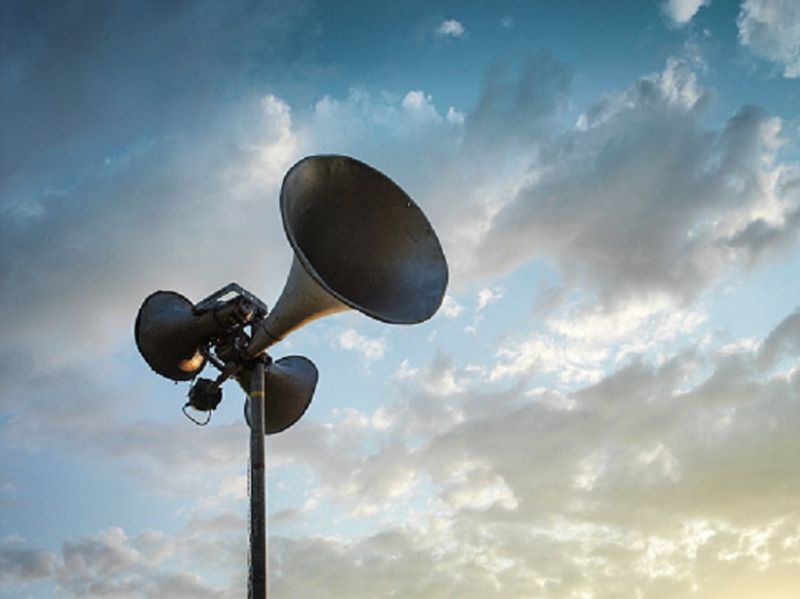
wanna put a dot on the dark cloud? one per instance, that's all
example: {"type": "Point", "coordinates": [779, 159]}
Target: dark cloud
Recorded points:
{"type": "Point", "coordinates": [782, 342]}
{"type": "Point", "coordinates": [188, 215]}
{"type": "Point", "coordinates": [644, 199]}
{"type": "Point", "coordinates": [518, 105]}
{"type": "Point", "coordinates": [98, 418]}
{"type": "Point", "coordinates": [84, 80]}
{"type": "Point", "coordinates": [761, 239]}
{"type": "Point", "coordinates": [98, 557]}
{"type": "Point", "coordinates": [112, 564]}
{"type": "Point", "coordinates": [140, 150]}
{"type": "Point", "coordinates": [25, 565]}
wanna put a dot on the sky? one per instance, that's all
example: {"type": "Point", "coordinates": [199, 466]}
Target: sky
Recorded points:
{"type": "Point", "coordinates": [605, 405]}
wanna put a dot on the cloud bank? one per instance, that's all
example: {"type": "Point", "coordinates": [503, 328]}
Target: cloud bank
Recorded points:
{"type": "Point", "coordinates": [771, 30]}
{"type": "Point", "coordinates": [651, 478]}
{"type": "Point", "coordinates": [602, 450]}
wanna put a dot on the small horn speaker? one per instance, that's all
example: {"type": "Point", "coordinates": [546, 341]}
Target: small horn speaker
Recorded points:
{"type": "Point", "coordinates": [169, 335]}
{"type": "Point", "coordinates": [360, 242]}
{"type": "Point", "coordinates": [289, 386]}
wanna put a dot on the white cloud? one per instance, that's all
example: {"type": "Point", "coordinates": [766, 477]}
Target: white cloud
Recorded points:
{"type": "Point", "coordinates": [169, 196]}
{"type": "Point", "coordinates": [444, 384]}
{"type": "Point", "coordinates": [420, 106]}
{"type": "Point", "coordinates": [375, 125]}
{"type": "Point", "coordinates": [273, 153]}
{"type": "Point", "coordinates": [417, 100]}
{"type": "Point", "coordinates": [454, 116]}
{"type": "Point", "coordinates": [637, 477]}
{"type": "Point", "coordinates": [482, 497]}
{"type": "Point", "coordinates": [97, 422]}
{"type": "Point", "coordinates": [450, 307]}
{"type": "Point", "coordinates": [580, 342]}
{"type": "Point", "coordinates": [682, 11]}
{"type": "Point", "coordinates": [744, 344]}
{"type": "Point", "coordinates": [570, 486]}
{"type": "Point", "coordinates": [381, 420]}
{"type": "Point", "coordinates": [631, 328]}
{"type": "Point", "coordinates": [641, 199]}
{"type": "Point", "coordinates": [451, 27]}
{"type": "Point", "coordinates": [658, 462]}
{"type": "Point", "coordinates": [771, 29]}
{"type": "Point", "coordinates": [112, 564]}
{"type": "Point", "coordinates": [573, 363]}
{"type": "Point", "coordinates": [676, 87]}
{"type": "Point", "coordinates": [405, 370]}
{"type": "Point", "coordinates": [512, 115]}
{"type": "Point", "coordinates": [632, 487]}
{"type": "Point", "coordinates": [488, 296]}
{"type": "Point", "coordinates": [234, 488]}
{"type": "Point", "coordinates": [371, 349]}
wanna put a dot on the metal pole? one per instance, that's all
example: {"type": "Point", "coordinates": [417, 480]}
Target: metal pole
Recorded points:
{"type": "Point", "coordinates": [258, 533]}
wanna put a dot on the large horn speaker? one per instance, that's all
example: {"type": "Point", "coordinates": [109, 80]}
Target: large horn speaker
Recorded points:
{"type": "Point", "coordinates": [169, 335]}
{"type": "Point", "coordinates": [360, 242]}
{"type": "Point", "coordinates": [171, 332]}
{"type": "Point", "coordinates": [289, 385]}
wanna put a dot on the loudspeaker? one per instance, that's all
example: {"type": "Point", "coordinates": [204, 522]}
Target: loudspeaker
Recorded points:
{"type": "Point", "coordinates": [170, 331]}
{"type": "Point", "coordinates": [169, 335]}
{"type": "Point", "coordinates": [289, 385]}
{"type": "Point", "coordinates": [360, 242]}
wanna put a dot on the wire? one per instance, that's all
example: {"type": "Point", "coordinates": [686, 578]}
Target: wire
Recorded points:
{"type": "Point", "coordinates": [197, 422]}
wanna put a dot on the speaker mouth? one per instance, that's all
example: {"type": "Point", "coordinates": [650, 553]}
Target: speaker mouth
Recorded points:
{"type": "Point", "coordinates": [363, 239]}
{"type": "Point", "coordinates": [170, 355]}
{"type": "Point", "coordinates": [289, 387]}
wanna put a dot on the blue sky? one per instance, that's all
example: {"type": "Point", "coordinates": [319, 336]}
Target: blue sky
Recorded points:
{"type": "Point", "coordinates": [606, 403]}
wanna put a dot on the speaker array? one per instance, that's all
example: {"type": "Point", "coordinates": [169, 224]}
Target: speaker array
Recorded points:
{"type": "Point", "coordinates": [360, 242]}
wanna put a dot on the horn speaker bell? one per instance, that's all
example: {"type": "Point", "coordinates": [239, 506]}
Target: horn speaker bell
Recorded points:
{"type": "Point", "coordinates": [169, 335]}
{"type": "Point", "coordinates": [288, 388]}
{"type": "Point", "coordinates": [360, 242]}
